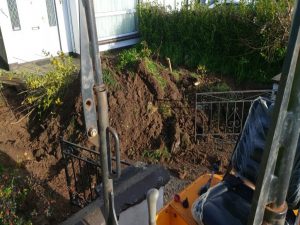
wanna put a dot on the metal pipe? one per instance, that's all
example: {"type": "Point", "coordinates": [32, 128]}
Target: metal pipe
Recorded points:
{"type": "Point", "coordinates": [103, 126]}
{"type": "Point", "coordinates": [286, 165]}
{"type": "Point", "coordinates": [292, 123]}
{"type": "Point", "coordinates": [112, 219]}
{"type": "Point", "coordinates": [112, 131]}
{"type": "Point", "coordinates": [90, 13]}
{"type": "Point", "coordinates": [102, 105]}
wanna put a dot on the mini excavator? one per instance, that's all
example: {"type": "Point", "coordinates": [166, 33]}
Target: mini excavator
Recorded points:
{"type": "Point", "coordinates": [262, 184]}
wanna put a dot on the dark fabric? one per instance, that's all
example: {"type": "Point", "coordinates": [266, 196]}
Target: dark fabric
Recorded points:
{"type": "Point", "coordinates": [229, 202]}
{"type": "Point", "coordinates": [248, 152]}
{"type": "Point", "coordinates": [249, 149]}
{"type": "Point", "coordinates": [225, 206]}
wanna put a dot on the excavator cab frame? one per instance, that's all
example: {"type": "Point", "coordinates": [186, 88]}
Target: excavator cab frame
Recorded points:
{"type": "Point", "coordinates": [278, 157]}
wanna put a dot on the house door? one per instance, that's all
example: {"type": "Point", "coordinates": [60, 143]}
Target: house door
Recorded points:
{"type": "Point", "coordinates": [115, 18]}
{"type": "Point", "coordinates": [37, 30]}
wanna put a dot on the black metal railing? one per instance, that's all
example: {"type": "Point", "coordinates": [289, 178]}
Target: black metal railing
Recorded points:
{"type": "Point", "coordinates": [83, 172]}
{"type": "Point", "coordinates": [220, 116]}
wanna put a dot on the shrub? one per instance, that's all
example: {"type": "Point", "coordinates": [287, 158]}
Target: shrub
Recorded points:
{"type": "Point", "coordinates": [247, 41]}
{"type": "Point", "coordinates": [46, 91]}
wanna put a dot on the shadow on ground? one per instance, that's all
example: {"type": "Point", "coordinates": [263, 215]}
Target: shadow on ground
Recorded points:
{"type": "Point", "coordinates": [42, 205]}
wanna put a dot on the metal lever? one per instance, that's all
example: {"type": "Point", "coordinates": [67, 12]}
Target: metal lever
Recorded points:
{"type": "Point", "coordinates": [95, 105]}
{"type": "Point", "coordinates": [112, 217]}
{"type": "Point", "coordinates": [152, 197]}
{"type": "Point", "coordinates": [114, 133]}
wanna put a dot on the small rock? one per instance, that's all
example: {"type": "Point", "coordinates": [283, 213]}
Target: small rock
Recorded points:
{"type": "Point", "coordinates": [39, 153]}
{"type": "Point", "coordinates": [176, 142]}
{"type": "Point", "coordinates": [182, 175]}
{"type": "Point", "coordinates": [185, 140]}
{"type": "Point", "coordinates": [58, 154]}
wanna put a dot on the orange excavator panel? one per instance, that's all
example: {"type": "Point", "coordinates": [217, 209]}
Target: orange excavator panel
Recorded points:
{"type": "Point", "coordinates": [174, 213]}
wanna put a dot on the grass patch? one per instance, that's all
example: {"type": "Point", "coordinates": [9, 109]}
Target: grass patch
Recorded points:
{"type": "Point", "coordinates": [153, 69]}
{"type": "Point", "coordinates": [165, 110]}
{"type": "Point", "coordinates": [128, 59]}
{"type": "Point", "coordinates": [194, 75]}
{"type": "Point", "coordinates": [156, 155]}
{"type": "Point", "coordinates": [176, 75]}
{"type": "Point", "coordinates": [109, 79]}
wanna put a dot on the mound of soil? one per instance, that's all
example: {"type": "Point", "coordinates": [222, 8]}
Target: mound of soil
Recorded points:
{"type": "Point", "coordinates": [134, 115]}
{"type": "Point", "coordinates": [147, 117]}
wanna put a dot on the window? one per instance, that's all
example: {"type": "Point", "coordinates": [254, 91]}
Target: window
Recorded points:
{"type": "Point", "coordinates": [14, 14]}
{"type": "Point", "coordinates": [51, 12]}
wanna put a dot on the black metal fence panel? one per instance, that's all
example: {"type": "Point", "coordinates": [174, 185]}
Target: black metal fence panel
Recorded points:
{"type": "Point", "coordinates": [83, 172]}
{"type": "Point", "coordinates": [220, 116]}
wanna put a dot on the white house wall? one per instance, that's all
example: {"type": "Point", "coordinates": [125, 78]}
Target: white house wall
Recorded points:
{"type": "Point", "coordinates": [21, 47]}
{"type": "Point", "coordinates": [35, 35]}
{"type": "Point", "coordinates": [109, 16]}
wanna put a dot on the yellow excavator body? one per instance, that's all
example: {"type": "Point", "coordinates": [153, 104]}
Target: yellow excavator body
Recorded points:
{"type": "Point", "coordinates": [174, 213]}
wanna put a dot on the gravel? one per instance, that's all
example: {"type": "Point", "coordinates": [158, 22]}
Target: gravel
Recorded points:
{"type": "Point", "coordinates": [175, 185]}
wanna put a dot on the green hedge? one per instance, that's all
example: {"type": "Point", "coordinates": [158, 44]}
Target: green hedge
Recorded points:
{"type": "Point", "coordinates": [247, 41]}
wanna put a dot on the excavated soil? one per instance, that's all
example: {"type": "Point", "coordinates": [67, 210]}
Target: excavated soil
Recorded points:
{"type": "Point", "coordinates": [146, 116]}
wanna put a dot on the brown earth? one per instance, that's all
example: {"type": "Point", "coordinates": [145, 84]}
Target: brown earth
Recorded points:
{"type": "Point", "coordinates": [146, 116]}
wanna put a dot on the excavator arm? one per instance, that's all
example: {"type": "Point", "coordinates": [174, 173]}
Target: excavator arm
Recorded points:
{"type": "Point", "coordinates": [269, 202]}
{"type": "Point", "coordinates": [94, 98]}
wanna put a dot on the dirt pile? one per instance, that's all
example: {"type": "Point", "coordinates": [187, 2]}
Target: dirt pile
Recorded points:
{"type": "Point", "coordinates": [152, 111]}
{"type": "Point", "coordinates": [134, 115]}
{"type": "Point", "coordinates": [146, 114]}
